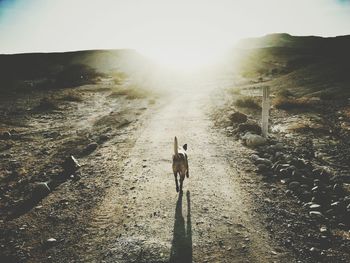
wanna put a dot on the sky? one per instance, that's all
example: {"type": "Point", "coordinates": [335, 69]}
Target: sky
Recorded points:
{"type": "Point", "coordinates": [170, 31]}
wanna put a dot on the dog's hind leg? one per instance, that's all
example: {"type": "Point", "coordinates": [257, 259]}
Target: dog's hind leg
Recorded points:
{"type": "Point", "coordinates": [176, 182]}
{"type": "Point", "coordinates": [181, 182]}
{"type": "Point", "coordinates": [187, 172]}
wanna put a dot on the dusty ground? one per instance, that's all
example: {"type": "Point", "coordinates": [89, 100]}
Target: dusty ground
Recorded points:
{"type": "Point", "coordinates": [125, 208]}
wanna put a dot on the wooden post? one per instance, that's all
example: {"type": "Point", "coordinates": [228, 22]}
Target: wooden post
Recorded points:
{"type": "Point", "coordinates": [265, 111]}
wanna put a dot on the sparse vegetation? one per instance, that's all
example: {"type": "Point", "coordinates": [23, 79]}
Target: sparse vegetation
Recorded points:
{"type": "Point", "coordinates": [131, 92]}
{"type": "Point", "coordinates": [118, 77]}
{"type": "Point", "coordinates": [285, 103]}
{"type": "Point", "coordinates": [249, 102]}
{"type": "Point", "coordinates": [47, 104]}
{"type": "Point", "coordinates": [71, 96]}
{"type": "Point", "coordinates": [235, 91]}
{"type": "Point", "coordinates": [76, 75]}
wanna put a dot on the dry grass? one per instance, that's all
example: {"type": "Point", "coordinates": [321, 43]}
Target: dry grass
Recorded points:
{"type": "Point", "coordinates": [234, 91]}
{"type": "Point", "coordinates": [248, 102]}
{"type": "Point", "coordinates": [71, 96]}
{"type": "Point", "coordinates": [285, 103]}
{"type": "Point", "coordinates": [118, 77]}
{"type": "Point", "coordinates": [131, 92]}
{"type": "Point", "coordinates": [47, 104]}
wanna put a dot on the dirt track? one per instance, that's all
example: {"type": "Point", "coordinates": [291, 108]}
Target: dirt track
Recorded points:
{"type": "Point", "coordinates": [141, 218]}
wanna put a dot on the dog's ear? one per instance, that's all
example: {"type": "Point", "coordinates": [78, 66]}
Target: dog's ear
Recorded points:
{"type": "Point", "coordinates": [185, 147]}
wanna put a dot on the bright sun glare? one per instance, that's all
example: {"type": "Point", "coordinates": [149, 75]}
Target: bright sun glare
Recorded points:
{"type": "Point", "coordinates": [181, 34]}
{"type": "Point", "coordinates": [185, 59]}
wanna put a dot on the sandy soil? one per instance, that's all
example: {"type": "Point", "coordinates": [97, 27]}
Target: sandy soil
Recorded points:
{"type": "Point", "coordinates": [125, 207]}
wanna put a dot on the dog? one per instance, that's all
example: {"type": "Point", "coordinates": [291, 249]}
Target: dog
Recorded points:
{"type": "Point", "coordinates": [180, 164]}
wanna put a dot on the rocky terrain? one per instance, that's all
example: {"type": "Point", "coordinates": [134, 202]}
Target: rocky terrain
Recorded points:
{"type": "Point", "coordinates": [305, 160]}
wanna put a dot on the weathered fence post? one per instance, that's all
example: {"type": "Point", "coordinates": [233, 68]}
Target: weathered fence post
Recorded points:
{"type": "Point", "coordinates": [265, 111]}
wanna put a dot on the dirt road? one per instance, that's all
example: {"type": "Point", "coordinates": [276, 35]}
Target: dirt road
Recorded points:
{"type": "Point", "coordinates": [125, 207]}
{"type": "Point", "coordinates": [143, 219]}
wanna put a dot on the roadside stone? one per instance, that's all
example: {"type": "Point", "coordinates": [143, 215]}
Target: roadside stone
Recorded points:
{"type": "Point", "coordinates": [51, 240]}
{"type": "Point", "coordinates": [263, 161]}
{"type": "Point", "coordinates": [6, 135]}
{"type": "Point", "coordinates": [253, 140]}
{"type": "Point", "coordinates": [315, 207]}
{"type": "Point", "coordinates": [238, 117]}
{"type": "Point", "coordinates": [316, 215]}
{"type": "Point", "coordinates": [70, 165]}
{"type": "Point", "coordinates": [249, 127]}
{"type": "Point", "coordinates": [40, 190]}
{"type": "Point", "coordinates": [323, 229]}
{"type": "Point", "coordinates": [294, 185]}
{"type": "Point", "coordinates": [90, 148]}
{"type": "Point", "coordinates": [262, 168]}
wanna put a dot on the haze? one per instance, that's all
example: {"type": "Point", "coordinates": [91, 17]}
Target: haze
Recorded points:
{"type": "Point", "coordinates": [174, 33]}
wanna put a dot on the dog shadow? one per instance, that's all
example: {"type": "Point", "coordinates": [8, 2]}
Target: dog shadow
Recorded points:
{"type": "Point", "coordinates": [181, 247]}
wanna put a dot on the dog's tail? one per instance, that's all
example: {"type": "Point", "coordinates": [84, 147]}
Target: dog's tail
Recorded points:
{"type": "Point", "coordinates": [176, 146]}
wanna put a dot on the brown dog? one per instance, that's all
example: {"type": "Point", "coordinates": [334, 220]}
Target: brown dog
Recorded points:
{"type": "Point", "coordinates": [180, 164]}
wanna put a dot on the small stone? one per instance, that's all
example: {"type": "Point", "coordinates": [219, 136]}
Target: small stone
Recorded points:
{"type": "Point", "coordinates": [316, 214]}
{"type": "Point", "coordinates": [51, 240]}
{"type": "Point", "coordinates": [323, 229]}
{"type": "Point", "coordinates": [262, 168]}
{"type": "Point", "coordinates": [71, 165]}
{"type": "Point", "coordinates": [90, 148]}
{"type": "Point", "coordinates": [6, 135]}
{"type": "Point", "coordinates": [41, 190]}
{"type": "Point", "coordinates": [264, 161]}
{"type": "Point", "coordinates": [294, 185]}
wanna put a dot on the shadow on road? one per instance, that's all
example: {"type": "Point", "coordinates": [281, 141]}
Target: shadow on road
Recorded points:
{"type": "Point", "coordinates": [181, 248]}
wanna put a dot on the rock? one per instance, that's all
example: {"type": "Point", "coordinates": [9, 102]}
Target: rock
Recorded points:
{"type": "Point", "coordinates": [340, 179]}
{"type": "Point", "coordinates": [279, 155]}
{"type": "Point", "coordinates": [316, 215]}
{"type": "Point", "coordinates": [294, 185]}
{"type": "Point", "coordinates": [315, 207]}
{"type": "Point", "coordinates": [263, 161]}
{"type": "Point", "coordinates": [305, 196]}
{"type": "Point", "coordinates": [278, 146]}
{"type": "Point", "coordinates": [314, 250]}
{"type": "Point", "coordinates": [6, 135]}
{"type": "Point", "coordinates": [40, 190]}
{"type": "Point", "coordinates": [262, 168]}
{"type": "Point", "coordinates": [249, 127]}
{"type": "Point", "coordinates": [306, 180]}
{"type": "Point", "coordinates": [254, 157]}
{"type": "Point", "coordinates": [52, 134]}
{"type": "Point", "coordinates": [49, 243]}
{"type": "Point", "coordinates": [238, 117]}
{"type": "Point", "coordinates": [70, 165]}
{"type": "Point", "coordinates": [90, 148]}
{"type": "Point", "coordinates": [323, 229]}
{"type": "Point", "coordinates": [253, 140]}
{"type": "Point", "coordinates": [102, 138]}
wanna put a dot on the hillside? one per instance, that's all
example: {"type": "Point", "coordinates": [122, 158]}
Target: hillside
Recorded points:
{"type": "Point", "coordinates": [20, 72]}
{"type": "Point", "coordinates": [304, 65]}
